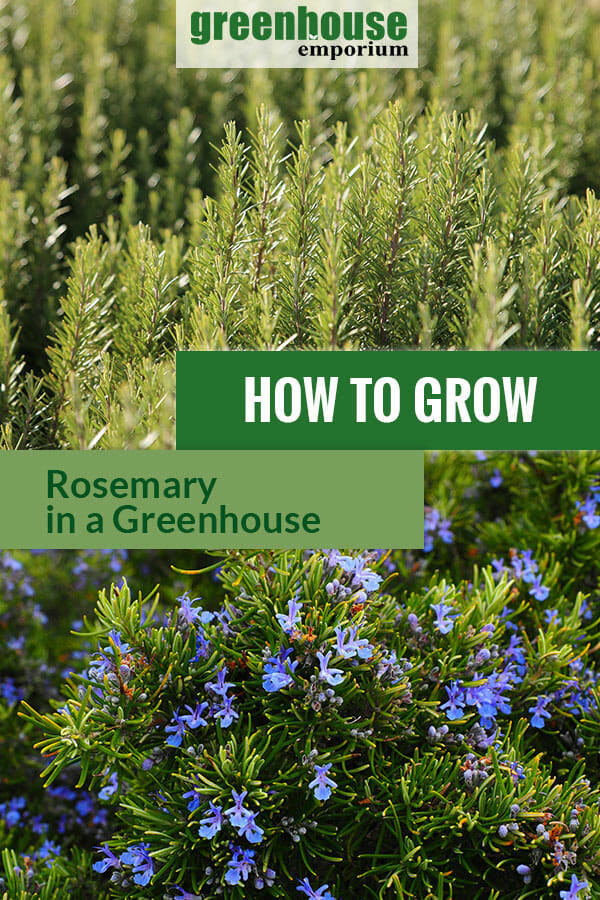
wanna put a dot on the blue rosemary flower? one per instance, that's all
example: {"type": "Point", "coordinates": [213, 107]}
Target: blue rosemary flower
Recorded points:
{"type": "Point", "coordinates": [110, 861]}
{"type": "Point", "coordinates": [239, 866]}
{"type": "Point", "coordinates": [321, 893]}
{"type": "Point", "coordinates": [195, 716]}
{"type": "Point", "coordinates": [237, 814]}
{"type": "Point", "coordinates": [176, 730]}
{"type": "Point", "coordinates": [141, 861]}
{"type": "Point", "coordinates": [322, 784]}
{"type": "Point", "coordinates": [443, 621]}
{"type": "Point", "coordinates": [348, 644]}
{"type": "Point", "coordinates": [455, 704]}
{"type": "Point", "coordinates": [290, 620]}
{"type": "Point", "coordinates": [212, 821]}
{"type": "Point", "coordinates": [330, 675]}
{"type": "Point", "coordinates": [574, 888]}
{"type": "Point", "coordinates": [279, 671]}
{"type": "Point", "coordinates": [539, 712]}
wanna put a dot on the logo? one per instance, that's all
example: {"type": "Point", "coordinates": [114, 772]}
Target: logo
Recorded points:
{"type": "Point", "coordinates": [279, 34]}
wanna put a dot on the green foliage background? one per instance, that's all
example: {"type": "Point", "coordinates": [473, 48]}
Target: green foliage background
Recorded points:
{"type": "Point", "coordinates": [452, 205]}
{"type": "Point", "coordinates": [144, 210]}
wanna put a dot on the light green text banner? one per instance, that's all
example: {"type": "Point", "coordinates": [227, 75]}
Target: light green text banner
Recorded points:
{"type": "Point", "coordinates": [211, 499]}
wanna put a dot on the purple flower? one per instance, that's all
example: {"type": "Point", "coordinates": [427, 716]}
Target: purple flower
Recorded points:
{"type": "Point", "coordinates": [116, 643]}
{"type": "Point", "coordinates": [196, 797]}
{"type": "Point", "coordinates": [540, 713]}
{"type": "Point", "coordinates": [195, 718]}
{"type": "Point", "coordinates": [220, 686]}
{"type": "Point", "coordinates": [525, 568]}
{"type": "Point", "coordinates": [140, 859]}
{"type": "Point", "coordinates": [444, 531]}
{"type": "Point", "coordinates": [38, 826]}
{"type": "Point", "coordinates": [436, 526]}
{"type": "Point", "coordinates": [499, 568]}
{"type": "Point", "coordinates": [10, 563]}
{"type": "Point", "coordinates": [321, 893]}
{"type": "Point", "coordinates": [45, 851]}
{"type": "Point", "coordinates": [10, 692]}
{"type": "Point", "coordinates": [240, 866]}
{"type": "Point", "coordinates": [212, 822]}
{"type": "Point", "coordinates": [279, 671]}
{"type": "Point", "coordinates": [110, 861]}
{"type": "Point", "coordinates": [487, 695]}
{"type": "Point", "coordinates": [266, 877]}
{"type": "Point", "coordinates": [574, 888]}
{"type": "Point", "coordinates": [588, 510]}
{"type": "Point", "coordinates": [16, 643]}
{"type": "Point", "coordinates": [250, 830]}
{"type": "Point", "coordinates": [349, 645]}
{"type": "Point", "coordinates": [203, 646]}
{"type": "Point", "coordinates": [237, 814]}
{"type": "Point", "coordinates": [585, 612]}
{"type": "Point", "coordinates": [362, 576]}
{"type": "Point", "coordinates": [84, 806]}
{"type": "Point", "coordinates": [455, 703]}
{"type": "Point", "coordinates": [110, 788]}
{"type": "Point", "coordinates": [187, 612]}
{"type": "Point", "coordinates": [443, 622]}
{"type": "Point", "coordinates": [11, 811]}
{"type": "Point", "coordinates": [322, 783]}
{"type": "Point", "coordinates": [226, 713]}
{"type": "Point", "coordinates": [496, 479]}
{"type": "Point", "coordinates": [517, 772]}
{"type": "Point", "coordinates": [538, 590]}
{"type": "Point", "coordinates": [515, 652]}
{"type": "Point", "coordinates": [292, 619]}
{"type": "Point", "coordinates": [432, 518]}
{"type": "Point", "coordinates": [331, 676]}
{"type": "Point", "coordinates": [177, 730]}
{"type": "Point", "coordinates": [480, 696]}
{"type": "Point", "coordinates": [413, 622]}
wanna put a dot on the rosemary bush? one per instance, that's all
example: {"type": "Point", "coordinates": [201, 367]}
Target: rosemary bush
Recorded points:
{"type": "Point", "coordinates": [356, 725]}
{"type": "Point", "coordinates": [43, 594]}
{"type": "Point", "coordinates": [334, 215]}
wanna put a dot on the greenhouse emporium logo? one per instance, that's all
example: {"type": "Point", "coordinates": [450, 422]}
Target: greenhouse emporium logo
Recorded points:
{"type": "Point", "coordinates": [377, 34]}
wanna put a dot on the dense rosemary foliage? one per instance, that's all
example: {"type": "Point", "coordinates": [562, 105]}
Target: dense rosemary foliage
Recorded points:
{"type": "Point", "coordinates": [420, 724]}
{"type": "Point", "coordinates": [43, 594]}
{"type": "Point", "coordinates": [462, 216]}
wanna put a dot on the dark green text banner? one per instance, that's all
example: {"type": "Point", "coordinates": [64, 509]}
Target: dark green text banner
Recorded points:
{"type": "Point", "coordinates": [414, 400]}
